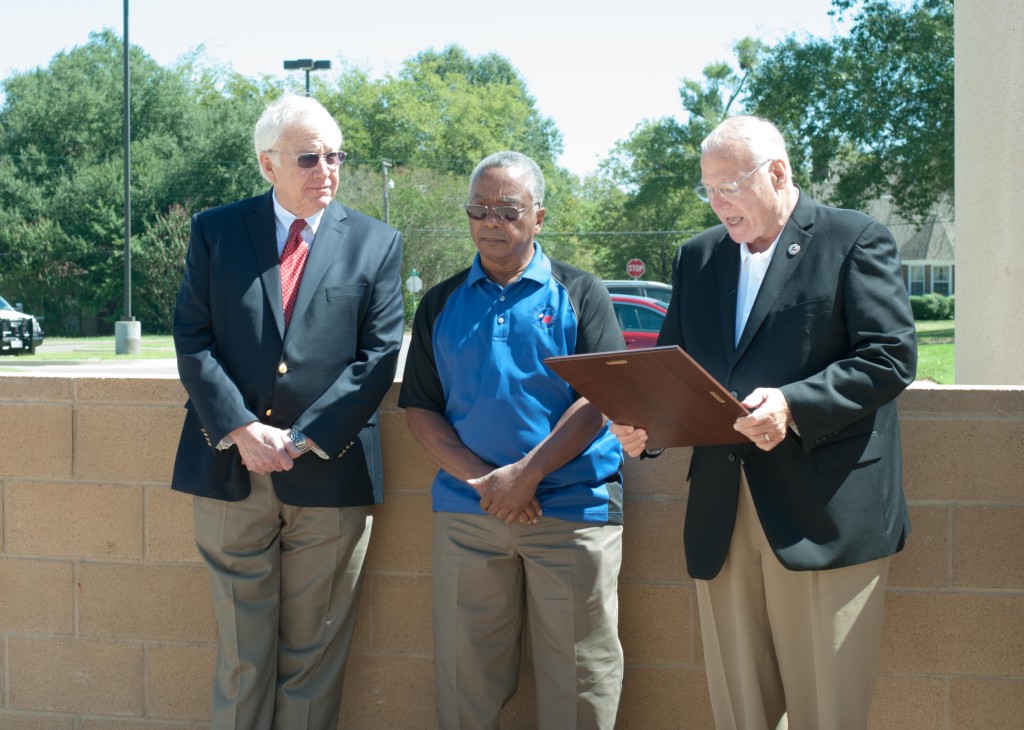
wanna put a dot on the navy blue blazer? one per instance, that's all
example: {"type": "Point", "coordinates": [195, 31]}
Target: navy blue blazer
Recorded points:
{"type": "Point", "coordinates": [833, 329]}
{"type": "Point", "coordinates": [326, 375]}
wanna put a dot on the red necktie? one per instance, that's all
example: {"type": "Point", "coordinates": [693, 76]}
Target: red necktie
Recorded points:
{"type": "Point", "coordinates": [293, 260]}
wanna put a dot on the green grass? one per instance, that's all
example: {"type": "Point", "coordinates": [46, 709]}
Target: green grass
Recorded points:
{"type": "Point", "coordinates": [935, 351]}
{"type": "Point", "coordinates": [934, 337]}
{"type": "Point", "coordinates": [935, 330]}
{"type": "Point", "coordinates": [89, 349]}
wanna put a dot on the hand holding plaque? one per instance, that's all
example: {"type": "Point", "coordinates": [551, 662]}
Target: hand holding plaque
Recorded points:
{"type": "Point", "coordinates": [660, 389]}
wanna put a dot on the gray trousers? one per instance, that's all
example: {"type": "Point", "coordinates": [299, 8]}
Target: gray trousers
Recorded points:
{"type": "Point", "coordinates": [286, 584]}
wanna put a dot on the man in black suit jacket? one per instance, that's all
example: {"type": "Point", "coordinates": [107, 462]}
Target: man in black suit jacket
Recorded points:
{"type": "Point", "coordinates": [280, 443]}
{"type": "Point", "coordinates": [801, 311]}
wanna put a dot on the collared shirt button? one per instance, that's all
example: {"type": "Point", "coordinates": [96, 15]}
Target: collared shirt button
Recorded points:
{"type": "Point", "coordinates": [734, 394]}
{"type": "Point", "coordinates": [501, 320]}
{"type": "Point", "coordinates": [282, 368]}
{"type": "Point", "coordinates": [501, 298]}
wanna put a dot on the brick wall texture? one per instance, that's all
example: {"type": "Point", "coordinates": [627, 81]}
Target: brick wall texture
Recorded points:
{"type": "Point", "coordinates": [106, 620]}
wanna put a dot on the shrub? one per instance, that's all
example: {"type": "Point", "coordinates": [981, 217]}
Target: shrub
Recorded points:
{"type": "Point", "coordinates": [932, 306]}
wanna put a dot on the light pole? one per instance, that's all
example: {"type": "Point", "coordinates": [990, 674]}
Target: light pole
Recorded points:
{"type": "Point", "coordinates": [384, 165]}
{"type": "Point", "coordinates": [304, 64]}
{"type": "Point", "coordinates": [127, 332]}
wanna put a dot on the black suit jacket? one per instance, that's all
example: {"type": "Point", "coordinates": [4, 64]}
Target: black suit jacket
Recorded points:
{"type": "Point", "coordinates": [325, 375]}
{"type": "Point", "coordinates": [833, 329]}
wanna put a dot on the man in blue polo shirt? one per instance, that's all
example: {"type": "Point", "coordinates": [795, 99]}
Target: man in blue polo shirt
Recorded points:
{"type": "Point", "coordinates": [528, 500]}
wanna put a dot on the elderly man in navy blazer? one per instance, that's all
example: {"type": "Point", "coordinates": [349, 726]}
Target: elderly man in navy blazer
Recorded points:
{"type": "Point", "coordinates": [287, 328]}
{"type": "Point", "coordinates": [800, 310]}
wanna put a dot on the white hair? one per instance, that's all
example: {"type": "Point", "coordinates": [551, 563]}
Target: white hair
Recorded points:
{"type": "Point", "coordinates": [756, 136]}
{"type": "Point", "coordinates": [294, 111]}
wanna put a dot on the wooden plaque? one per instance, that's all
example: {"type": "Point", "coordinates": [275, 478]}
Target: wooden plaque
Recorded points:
{"type": "Point", "coordinates": [661, 389]}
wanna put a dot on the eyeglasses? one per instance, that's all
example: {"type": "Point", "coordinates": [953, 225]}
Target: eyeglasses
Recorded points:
{"type": "Point", "coordinates": [308, 160]}
{"type": "Point", "coordinates": [507, 213]}
{"type": "Point", "coordinates": [726, 190]}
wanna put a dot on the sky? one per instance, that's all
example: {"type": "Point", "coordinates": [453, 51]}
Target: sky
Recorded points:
{"type": "Point", "coordinates": [596, 69]}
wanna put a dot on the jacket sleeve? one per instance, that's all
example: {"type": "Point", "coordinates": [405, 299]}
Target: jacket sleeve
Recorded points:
{"type": "Point", "coordinates": [213, 394]}
{"type": "Point", "coordinates": [882, 344]}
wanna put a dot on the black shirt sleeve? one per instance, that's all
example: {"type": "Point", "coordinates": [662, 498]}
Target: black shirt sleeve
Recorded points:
{"type": "Point", "coordinates": [599, 329]}
{"type": "Point", "coordinates": [421, 385]}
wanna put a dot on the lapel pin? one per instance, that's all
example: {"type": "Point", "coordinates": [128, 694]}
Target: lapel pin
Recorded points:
{"type": "Point", "coordinates": [794, 249]}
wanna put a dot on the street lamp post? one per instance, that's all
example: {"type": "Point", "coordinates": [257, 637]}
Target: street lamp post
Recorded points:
{"type": "Point", "coordinates": [307, 65]}
{"type": "Point", "coordinates": [384, 165]}
{"type": "Point", "coordinates": [127, 331]}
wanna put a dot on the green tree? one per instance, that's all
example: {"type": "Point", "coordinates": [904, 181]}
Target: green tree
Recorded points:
{"type": "Point", "coordinates": [444, 110]}
{"type": "Point", "coordinates": [61, 210]}
{"type": "Point", "coordinates": [644, 195]}
{"type": "Point", "coordinates": [61, 158]}
{"type": "Point", "coordinates": [62, 137]}
{"type": "Point", "coordinates": [158, 262]}
{"type": "Point", "coordinates": [869, 113]}
{"type": "Point", "coordinates": [435, 120]}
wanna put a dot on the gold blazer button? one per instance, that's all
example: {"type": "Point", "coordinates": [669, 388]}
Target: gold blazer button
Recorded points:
{"type": "Point", "coordinates": [282, 368]}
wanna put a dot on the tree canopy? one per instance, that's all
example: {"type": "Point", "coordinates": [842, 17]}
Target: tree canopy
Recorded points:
{"type": "Point", "coordinates": [191, 132]}
{"type": "Point", "coordinates": [870, 113]}
{"type": "Point", "coordinates": [61, 221]}
{"type": "Point", "coordinates": [866, 113]}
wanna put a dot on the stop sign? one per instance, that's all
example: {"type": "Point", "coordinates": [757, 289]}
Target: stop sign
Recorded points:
{"type": "Point", "coordinates": [635, 268]}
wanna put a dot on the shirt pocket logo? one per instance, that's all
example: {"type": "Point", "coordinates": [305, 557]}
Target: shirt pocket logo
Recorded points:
{"type": "Point", "coordinates": [544, 318]}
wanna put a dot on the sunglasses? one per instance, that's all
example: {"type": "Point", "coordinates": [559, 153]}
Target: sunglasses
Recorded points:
{"type": "Point", "coordinates": [308, 160]}
{"type": "Point", "coordinates": [507, 213]}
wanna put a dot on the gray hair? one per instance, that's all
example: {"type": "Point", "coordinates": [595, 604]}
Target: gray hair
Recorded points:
{"type": "Point", "coordinates": [757, 136]}
{"type": "Point", "coordinates": [517, 160]}
{"type": "Point", "coordinates": [290, 111]}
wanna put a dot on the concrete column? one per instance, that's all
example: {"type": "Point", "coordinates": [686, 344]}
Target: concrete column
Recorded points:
{"type": "Point", "coordinates": [127, 337]}
{"type": "Point", "coordinates": [989, 96]}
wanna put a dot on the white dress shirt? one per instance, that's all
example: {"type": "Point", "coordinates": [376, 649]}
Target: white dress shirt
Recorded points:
{"type": "Point", "coordinates": [753, 267]}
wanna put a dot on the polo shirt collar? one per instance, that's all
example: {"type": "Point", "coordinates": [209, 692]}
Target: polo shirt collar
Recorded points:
{"type": "Point", "coordinates": [538, 270]}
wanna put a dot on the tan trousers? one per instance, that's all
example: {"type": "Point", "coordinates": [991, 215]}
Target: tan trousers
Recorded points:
{"type": "Point", "coordinates": [565, 576]}
{"type": "Point", "coordinates": [286, 584]}
{"type": "Point", "coordinates": [782, 648]}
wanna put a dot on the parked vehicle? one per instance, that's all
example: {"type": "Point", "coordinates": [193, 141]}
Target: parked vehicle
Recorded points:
{"type": "Point", "coordinates": [640, 319]}
{"type": "Point", "coordinates": [21, 332]}
{"type": "Point", "coordinates": [638, 288]}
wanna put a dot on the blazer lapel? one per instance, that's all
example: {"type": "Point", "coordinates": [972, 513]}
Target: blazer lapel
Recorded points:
{"type": "Point", "coordinates": [263, 237]}
{"type": "Point", "coordinates": [789, 251]}
{"type": "Point", "coordinates": [327, 245]}
{"type": "Point", "coordinates": [727, 262]}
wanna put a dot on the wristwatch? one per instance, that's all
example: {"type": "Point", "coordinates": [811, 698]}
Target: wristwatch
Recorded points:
{"type": "Point", "coordinates": [299, 439]}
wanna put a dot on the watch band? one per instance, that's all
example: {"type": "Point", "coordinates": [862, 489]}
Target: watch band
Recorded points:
{"type": "Point", "coordinates": [299, 439]}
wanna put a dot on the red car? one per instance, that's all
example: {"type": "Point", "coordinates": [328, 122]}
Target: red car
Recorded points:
{"type": "Point", "coordinates": [640, 319]}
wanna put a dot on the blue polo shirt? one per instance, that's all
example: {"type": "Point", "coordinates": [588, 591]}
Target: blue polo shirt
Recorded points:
{"type": "Point", "coordinates": [476, 357]}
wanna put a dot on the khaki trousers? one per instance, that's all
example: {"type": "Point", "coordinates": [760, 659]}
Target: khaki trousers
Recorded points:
{"type": "Point", "coordinates": [565, 576]}
{"type": "Point", "coordinates": [789, 649]}
{"type": "Point", "coordinates": [286, 584]}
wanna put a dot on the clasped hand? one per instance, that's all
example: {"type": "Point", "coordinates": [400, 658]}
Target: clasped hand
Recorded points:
{"type": "Point", "coordinates": [264, 449]}
{"type": "Point", "coordinates": [508, 494]}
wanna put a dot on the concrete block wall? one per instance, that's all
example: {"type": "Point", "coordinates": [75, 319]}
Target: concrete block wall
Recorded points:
{"type": "Point", "coordinates": [106, 619]}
